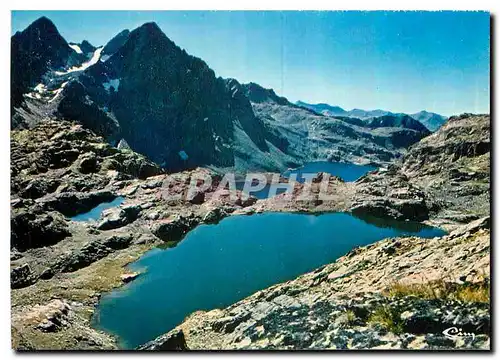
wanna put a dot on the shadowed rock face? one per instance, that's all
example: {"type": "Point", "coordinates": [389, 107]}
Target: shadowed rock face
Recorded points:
{"type": "Point", "coordinates": [76, 104]}
{"type": "Point", "coordinates": [257, 94]}
{"type": "Point", "coordinates": [178, 103]}
{"type": "Point", "coordinates": [86, 47]}
{"type": "Point", "coordinates": [173, 340]}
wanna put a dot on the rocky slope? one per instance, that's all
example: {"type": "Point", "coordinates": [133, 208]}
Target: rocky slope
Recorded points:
{"type": "Point", "coordinates": [313, 136]}
{"type": "Point", "coordinates": [444, 177]}
{"type": "Point", "coordinates": [453, 167]}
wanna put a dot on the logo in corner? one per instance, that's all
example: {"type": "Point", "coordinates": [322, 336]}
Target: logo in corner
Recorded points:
{"type": "Point", "coordinates": [453, 333]}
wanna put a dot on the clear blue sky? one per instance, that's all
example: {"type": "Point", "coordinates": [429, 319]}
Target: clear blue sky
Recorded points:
{"type": "Point", "coordinates": [398, 61]}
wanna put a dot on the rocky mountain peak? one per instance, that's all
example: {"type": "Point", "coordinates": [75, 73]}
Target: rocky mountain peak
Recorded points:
{"type": "Point", "coordinates": [169, 101]}
{"type": "Point", "coordinates": [87, 47]}
{"type": "Point", "coordinates": [44, 25]}
{"type": "Point", "coordinates": [149, 34]}
{"type": "Point", "coordinates": [34, 51]}
{"type": "Point", "coordinates": [431, 120]}
{"type": "Point", "coordinates": [146, 45]}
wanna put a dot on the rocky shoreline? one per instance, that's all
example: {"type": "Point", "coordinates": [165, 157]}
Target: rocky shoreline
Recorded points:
{"type": "Point", "coordinates": [60, 267]}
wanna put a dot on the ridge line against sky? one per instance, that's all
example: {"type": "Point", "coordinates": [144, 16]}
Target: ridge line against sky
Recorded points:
{"type": "Point", "coordinates": [396, 61]}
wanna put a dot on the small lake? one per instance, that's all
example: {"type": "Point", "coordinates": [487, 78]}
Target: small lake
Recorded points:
{"type": "Point", "coordinates": [96, 212]}
{"type": "Point", "coordinates": [218, 265]}
{"type": "Point", "coordinates": [347, 172]}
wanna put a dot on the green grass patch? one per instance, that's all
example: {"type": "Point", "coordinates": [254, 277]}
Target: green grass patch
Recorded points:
{"type": "Point", "coordinates": [387, 317]}
{"type": "Point", "coordinates": [441, 289]}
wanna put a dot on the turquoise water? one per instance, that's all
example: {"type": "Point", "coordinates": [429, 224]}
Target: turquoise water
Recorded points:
{"type": "Point", "coordinates": [96, 212]}
{"type": "Point", "coordinates": [347, 172]}
{"type": "Point", "coordinates": [217, 265]}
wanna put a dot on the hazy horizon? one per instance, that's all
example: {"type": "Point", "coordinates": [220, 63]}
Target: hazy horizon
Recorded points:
{"type": "Point", "coordinates": [396, 61]}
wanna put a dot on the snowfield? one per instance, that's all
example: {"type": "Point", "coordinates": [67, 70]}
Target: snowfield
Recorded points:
{"type": "Point", "coordinates": [76, 48]}
{"type": "Point", "coordinates": [92, 61]}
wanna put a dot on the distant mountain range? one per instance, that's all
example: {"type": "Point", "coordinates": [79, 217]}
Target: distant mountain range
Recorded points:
{"type": "Point", "coordinates": [431, 121]}
{"type": "Point", "coordinates": [141, 89]}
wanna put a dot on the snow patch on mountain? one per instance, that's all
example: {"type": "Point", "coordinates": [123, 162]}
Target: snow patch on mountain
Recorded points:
{"type": "Point", "coordinates": [76, 48]}
{"type": "Point", "coordinates": [58, 91]}
{"type": "Point", "coordinates": [41, 88]}
{"type": "Point", "coordinates": [92, 61]}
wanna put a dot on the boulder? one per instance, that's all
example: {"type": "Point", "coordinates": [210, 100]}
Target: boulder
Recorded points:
{"type": "Point", "coordinates": [33, 230]}
{"type": "Point", "coordinates": [126, 278]}
{"type": "Point", "coordinates": [21, 276]}
{"type": "Point", "coordinates": [88, 163]}
{"type": "Point", "coordinates": [174, 228]}
{"type": "Point", "coordinates": [123, 145]}
{"type": "Point", "coordinates": [214, 216]}
{"type": "Point", "coordinates": [39, 187]}
{"type": "Point", "coordinates": [197, 198]}
{"type": "Point", "coordinates": [91, 252]}
{"type": "Point", "coordinates": [118, 217]}
{"type": "Point", "coordinates": [54, 315]}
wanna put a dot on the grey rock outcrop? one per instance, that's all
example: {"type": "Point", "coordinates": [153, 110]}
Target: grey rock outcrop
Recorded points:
{"type": "Point", "coordinates": [21, 276]}
{"type": "Point", "coordinates": [118, 217]}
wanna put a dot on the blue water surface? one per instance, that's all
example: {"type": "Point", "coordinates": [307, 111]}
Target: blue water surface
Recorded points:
{"type": "Point", "coordinates": [218, 265]}
{"type": "Point", "coordinates": [96, 212]}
